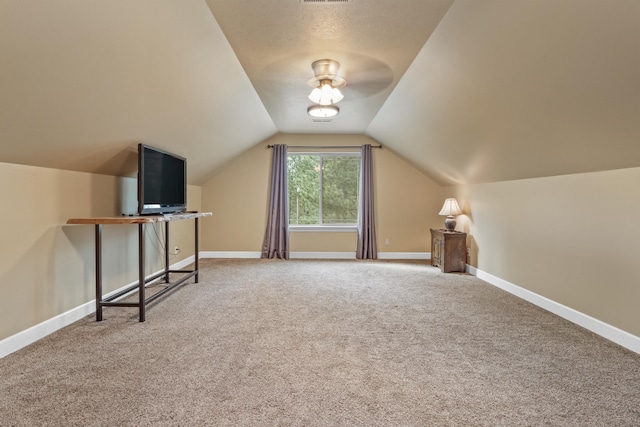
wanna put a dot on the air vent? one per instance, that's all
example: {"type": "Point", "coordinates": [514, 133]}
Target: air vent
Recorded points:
{"type": "Point", "coordinates": [323, 1]}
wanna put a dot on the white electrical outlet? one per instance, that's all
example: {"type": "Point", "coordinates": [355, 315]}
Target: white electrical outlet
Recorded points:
{"type": "Point", "coordinates": [386, 241]}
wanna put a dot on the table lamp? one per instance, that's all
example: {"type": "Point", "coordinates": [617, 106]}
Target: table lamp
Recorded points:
{"type": "Point", "coordinates": [450, 208]}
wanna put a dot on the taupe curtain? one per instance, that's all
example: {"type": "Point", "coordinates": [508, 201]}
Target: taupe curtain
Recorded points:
{"type": "Point", "coordinates": [366, 246]}
{"type": "Point", "coordinates": [276, 237]}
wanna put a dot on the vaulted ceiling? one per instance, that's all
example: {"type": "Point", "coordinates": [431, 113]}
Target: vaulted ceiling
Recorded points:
{"type": "Point", "coordinates": [374, 41]}
{"type": "Point", "coordinates": [466, 90]}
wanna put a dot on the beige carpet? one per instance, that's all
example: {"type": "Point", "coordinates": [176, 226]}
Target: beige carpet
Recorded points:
{"type": "Point", "coordinates": [324, 343]}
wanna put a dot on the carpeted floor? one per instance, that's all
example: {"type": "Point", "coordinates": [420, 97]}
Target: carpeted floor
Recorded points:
{"type": "Point", "coordinates": [324, 343]}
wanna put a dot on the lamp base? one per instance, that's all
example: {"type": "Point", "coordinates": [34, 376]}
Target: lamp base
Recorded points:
{"type": "Point", "coordinates": [450, 223]}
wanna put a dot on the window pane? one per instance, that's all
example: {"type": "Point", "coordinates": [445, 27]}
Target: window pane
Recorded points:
{"type": "Point", "coordinates": [323, 189]}
{"type": "Point", "coordinates": [340, 189]}
{"type": "Point", "coordinates": [304, 189]}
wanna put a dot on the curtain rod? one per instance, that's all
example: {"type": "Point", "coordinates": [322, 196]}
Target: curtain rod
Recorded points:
{"type": "Point", "coordinates": [326, 146]}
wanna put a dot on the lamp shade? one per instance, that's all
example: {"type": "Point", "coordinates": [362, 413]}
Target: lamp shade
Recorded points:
{"type": "Point", "coordinates": [450, 207]}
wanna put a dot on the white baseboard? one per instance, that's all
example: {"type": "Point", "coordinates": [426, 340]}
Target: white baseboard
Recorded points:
{"type": "Point", "coordinates": [322, 255]}
{"type": "Point", "coordinates": [404, 255]}
{"type": "Point", "coordinates": [618, 336]}
{"type": "Point", "coordinates": [41, 330]}
{"type": "Point", "coordinates": [318, 255]}
{"type": "Point", "coordinates": [230, 254]}
{"type": "Point", "coordinates": [182, 264]}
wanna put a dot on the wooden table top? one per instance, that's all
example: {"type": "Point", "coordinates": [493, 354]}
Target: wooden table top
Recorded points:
{"type": "Point", "coordinates": [143, 219]}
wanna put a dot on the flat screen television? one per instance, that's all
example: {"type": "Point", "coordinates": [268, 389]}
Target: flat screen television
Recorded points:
{"type": "Point", "coordinates": [162, 181]}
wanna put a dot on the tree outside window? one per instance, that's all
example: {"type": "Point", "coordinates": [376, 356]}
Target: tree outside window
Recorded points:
{"type": "Point", "coordinates": [323, 188]}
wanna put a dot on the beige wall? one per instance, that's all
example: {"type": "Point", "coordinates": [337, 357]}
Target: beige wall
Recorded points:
{"type": "Point", "coordinates": [572, 239]}
{"type": "Point", "coordinates": [407, 202]}
{"type": "Point", "coordinates": [47, 267]}
{"type": "Point", "coordinates": [569, 238]}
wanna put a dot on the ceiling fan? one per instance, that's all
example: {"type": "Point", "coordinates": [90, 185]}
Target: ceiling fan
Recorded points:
{"type": "Point", "coordinates": [367, 76]}
{"type": "Point", "coordinates": [326, 83]}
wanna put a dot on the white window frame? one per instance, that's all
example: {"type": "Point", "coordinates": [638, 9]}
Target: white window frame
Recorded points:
{"type": "Point", "coordinates": [314, 228]}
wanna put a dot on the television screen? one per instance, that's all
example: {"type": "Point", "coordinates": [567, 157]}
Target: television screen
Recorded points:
{"type": "Point", "coordinates": [162, 181]}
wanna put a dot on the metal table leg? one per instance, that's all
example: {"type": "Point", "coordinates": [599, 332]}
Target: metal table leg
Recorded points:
{"type": "Point", "coordinates": [197, 269]}
{"type": "Point", "coordinates": [141, 279]}
{"type": "Point", "coordinates": [98, 239]}
{"type": "Point", "coordinates": [166, 252]}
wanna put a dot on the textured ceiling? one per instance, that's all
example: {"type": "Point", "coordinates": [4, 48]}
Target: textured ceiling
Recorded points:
{"type": "Point", "coordinates": [374, 41]}
{"type": "Point", "coordinates": [468, 91]}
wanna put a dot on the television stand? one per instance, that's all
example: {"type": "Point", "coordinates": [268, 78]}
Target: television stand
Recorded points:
{"type": "Point", "coordinates": [141, 221]}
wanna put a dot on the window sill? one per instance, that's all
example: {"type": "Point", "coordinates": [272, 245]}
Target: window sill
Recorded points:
{"type": "Point", "coordinates": [323, 228]}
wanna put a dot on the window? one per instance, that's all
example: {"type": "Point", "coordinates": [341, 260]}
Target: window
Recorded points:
{"type": "Point", "coordinates": [323, 189]}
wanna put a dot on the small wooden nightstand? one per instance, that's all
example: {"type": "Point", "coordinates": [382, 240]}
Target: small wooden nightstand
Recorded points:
{"type": "Point", "coordinates": [448, 250]}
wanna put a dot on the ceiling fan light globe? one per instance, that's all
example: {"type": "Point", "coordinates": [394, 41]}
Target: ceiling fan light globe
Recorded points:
{"type": "Point", "coordinates": [336, 95]}
{"type": "Point", "coordinates": [326, 93]}
{"type": "Point", "coordinates": [314, 96]}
